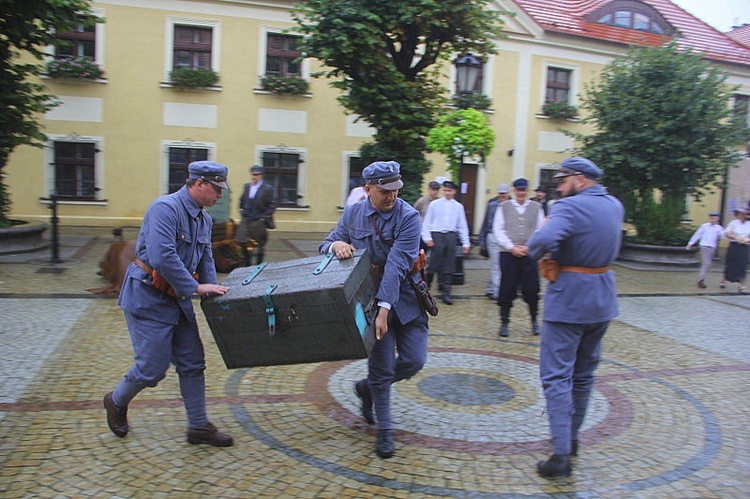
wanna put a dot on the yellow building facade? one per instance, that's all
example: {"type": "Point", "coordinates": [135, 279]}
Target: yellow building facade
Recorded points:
{"type": "Point", "coordinates": [119, 141]}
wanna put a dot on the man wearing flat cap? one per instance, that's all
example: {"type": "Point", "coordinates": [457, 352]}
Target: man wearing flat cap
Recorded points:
{"type": "Point", "coordinates": [514, 223]}
{"type": "Point", "coordinates": [257, 206]}
{"type": "Point", "coordinates": [174, 261]}
{"type": "Point", "coordinates": [433, 193]}
{"type": "Point", "coordinates": [488, 245]}
{"type": "Point", "coordinates": [388, 227]}
{"type": "Point", "coordinates": [443, 226]}
{"type": "Point", "coordinates": [583, 235]}
{"type": "Point", "coordinates": [709, 234]}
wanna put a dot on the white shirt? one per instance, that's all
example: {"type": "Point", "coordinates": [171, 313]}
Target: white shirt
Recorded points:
{"type": "Point", "coordinates": [498, 223]}
{"type": "Point", "coordinates": [254, 189]}
{"type": "Point", "coordinates": [446, 215]}
{"type": "Point", "coordinates": [739, 229]}
{"type": "Point", "coordinates": [357, 195]}
{"type": "Point", "coordinates": [708, 234]}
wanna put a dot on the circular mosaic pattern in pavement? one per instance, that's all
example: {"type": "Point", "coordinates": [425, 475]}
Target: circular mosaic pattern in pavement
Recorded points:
{"type": "Point", "coordinates": [503, 403]}
{"type": "Point", "coordinates": [467, 412]}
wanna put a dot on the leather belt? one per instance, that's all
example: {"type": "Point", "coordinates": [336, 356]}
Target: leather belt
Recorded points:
{"type": "Point", "coordinates": [143, 266]}
{"type": "Point", "coordinates": [158, 281]}
{"type": "Point", "coordinates": [584, 270]}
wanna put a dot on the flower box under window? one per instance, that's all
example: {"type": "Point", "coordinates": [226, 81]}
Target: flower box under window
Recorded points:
{"type": "Point", "coordinates": [82, 68]}
{"type": "Point", "coordinates": [292, 85]}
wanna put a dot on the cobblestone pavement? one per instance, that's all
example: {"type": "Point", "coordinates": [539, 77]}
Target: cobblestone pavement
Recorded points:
{"type": "Point", "coordinates": [669, 417]}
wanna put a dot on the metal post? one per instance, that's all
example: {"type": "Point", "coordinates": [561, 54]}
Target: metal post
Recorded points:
{"type": "Point", "coordinates": [55, 237]}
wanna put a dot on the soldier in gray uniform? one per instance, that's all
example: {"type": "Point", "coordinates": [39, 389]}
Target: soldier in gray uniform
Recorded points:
{"type": "Point", "coordinates": [389, 228]}
{"type": "Point", "coordinates": [173, 262]}
{"type": "Point", "coordinates": [583, 235]}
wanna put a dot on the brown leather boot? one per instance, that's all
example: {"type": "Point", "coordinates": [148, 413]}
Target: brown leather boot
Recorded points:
{"type": "Point", "coordinates": [208, 434]}
{"type": "Point", "coordinates": [117, 417]}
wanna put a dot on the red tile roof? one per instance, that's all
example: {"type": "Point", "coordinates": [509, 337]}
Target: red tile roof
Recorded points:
{"type": "Point", "coordinates": [741, 34]}
{"type": "Point", "coordinates": [568, 17]}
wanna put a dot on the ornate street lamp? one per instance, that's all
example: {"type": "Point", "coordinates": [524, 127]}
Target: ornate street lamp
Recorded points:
{"type": "Point", "coordinates": [468, 68]}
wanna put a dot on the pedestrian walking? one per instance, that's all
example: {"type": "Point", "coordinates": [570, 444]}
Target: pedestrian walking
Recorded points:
{"type": "Point", "coordinates": [421, 204]}
{"type": "Point", "coordinates": [257, 206]}
{"type": "Point", "coordinates": [388, 227]}
{"type": "Point", "coordinates": [583, 236]}
{"type": "Point", "coordinates": [708, 236]}
{"type": "Point", "coordinates": [738, 233]}
{"type": "Point", "coordinates": [515, 221]}
{"type": "Point", "coordinates": [173, 262]}
{"type": "Point", "coordinates": [488, 245]}
{"type": "Point", "coordinates": [443, 227]}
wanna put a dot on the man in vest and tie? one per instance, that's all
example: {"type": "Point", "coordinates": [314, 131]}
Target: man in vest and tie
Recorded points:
{"type": "Point", "coordinates": [515, 221]}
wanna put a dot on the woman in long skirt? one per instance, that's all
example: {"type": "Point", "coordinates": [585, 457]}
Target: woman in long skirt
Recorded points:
{"type": "Point", "coordinates": [738, 233]}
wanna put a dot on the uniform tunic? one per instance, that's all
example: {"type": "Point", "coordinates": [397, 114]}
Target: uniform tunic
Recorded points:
{"type": "Point", "coordinates": [407, 321]}
{"type": "Point", "coordinates": [582, 230]}
{"type": "Point", "coordinates": [175, 240]}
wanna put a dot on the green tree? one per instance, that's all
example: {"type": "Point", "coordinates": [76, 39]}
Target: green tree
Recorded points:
{"type": "Point", "coordinates": [664, 131]}
{"type": "Point", "coordinates": [27, 27]}
{"type": "Point", "coordinates": [466, 132]}
{"type": "Point", "coordinates": [385, 57]}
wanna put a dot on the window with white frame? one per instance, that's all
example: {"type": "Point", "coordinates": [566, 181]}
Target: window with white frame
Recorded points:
{"type": "Point", "coordinates": [279, 56]}
{"type": "Point", "coordinates": [179, 157]}
{"type": "Point", "coordinates": [282, 54]}
{"type": "Point", "coordinates": [356, 165]}
{"type": "Point", "coordinates": [77, 49]}
{"type": "Point", "coordinates": [558, 87]}
{"type": "Point", "coordinates": [74, 168]}
{"type": "Point", "coordinates": [742, 109]}
{"type": "Point", "coordinates": [79, 41]}
{"type": "Point", "coordinates": [192, 47]}
{"type": "Point", "coordinates": [282, 170]}
{"type": "Point", "coordinates": [192, 44]}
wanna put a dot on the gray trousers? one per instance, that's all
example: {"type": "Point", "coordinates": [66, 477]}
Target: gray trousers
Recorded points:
{"type": "Point", "coordinates": [707, 256]}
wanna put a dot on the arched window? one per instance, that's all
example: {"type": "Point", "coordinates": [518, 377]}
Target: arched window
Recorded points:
{"type": "Point", "coordinates": [631, 14]}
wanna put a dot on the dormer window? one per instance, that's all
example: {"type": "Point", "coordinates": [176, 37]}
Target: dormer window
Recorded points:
{"type": "Point", "coordinates": [631, 15]}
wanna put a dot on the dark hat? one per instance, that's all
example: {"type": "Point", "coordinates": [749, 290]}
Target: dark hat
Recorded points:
{"type": "Point", "coordinates": [503, 189]}
{"type": "Point", "coordinates": [450, 185]}
{"type": "Point", "coordinates": [579, 166]}
{"type": "Point", "coordinates": [521, 183]}
{"type": "Point", "coordinates": [256, 169]}
{"type": "Point", "coordinates": [434, 185]}
{"type": "Point", "coordinates": [540, 188]}
{"type": "Point", "coordinates": [215, 173]}
{"type": "Point", "coordinates": [714, 214]}
{"type": "Point", "coordinates": [384, 174]}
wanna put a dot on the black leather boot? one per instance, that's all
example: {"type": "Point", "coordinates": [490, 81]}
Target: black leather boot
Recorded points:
{"type": "Point", "coordinates": [362, 389]}
{"type": "Point", "coordinates": [504, 330]}
{"type": "Point", "coordinates": [384, 445]}
{"type": "Point", "coordinates": [557, 466]}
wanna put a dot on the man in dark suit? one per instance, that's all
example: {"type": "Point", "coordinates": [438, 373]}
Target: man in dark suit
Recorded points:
{"type": "Point", "coordinates": [257, 205]}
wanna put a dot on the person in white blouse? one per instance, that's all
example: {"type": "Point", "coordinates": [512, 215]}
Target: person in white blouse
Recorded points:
{"type": "Point", "coordinates": [738, 233]}
{"type": "Point", "coordinates": [444, 224]}
{"type": "Point", "coordinates": [707, 235]}
{"type": "Point", "coordinates": [514, 223]}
